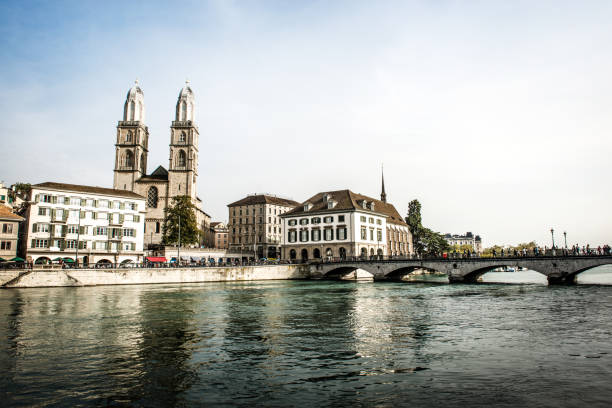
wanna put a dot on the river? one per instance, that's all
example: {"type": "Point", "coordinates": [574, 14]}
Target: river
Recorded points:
{"type": "Point", "coordinates": [307, 343]}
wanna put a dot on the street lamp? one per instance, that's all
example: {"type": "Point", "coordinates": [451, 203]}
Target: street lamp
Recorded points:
{"type": "Point", "coordinates": [565, 237]}
{"type": "Point", "coordinates": [552, 234]}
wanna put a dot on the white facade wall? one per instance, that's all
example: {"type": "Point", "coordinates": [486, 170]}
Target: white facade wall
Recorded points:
{"type": "Point", "coordinates": [354, 222]}
{"type": "Point", "coordinates": [111, 227]}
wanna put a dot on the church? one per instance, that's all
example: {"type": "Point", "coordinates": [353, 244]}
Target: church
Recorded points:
{"type": "Point", "coordinates": [159, 187]}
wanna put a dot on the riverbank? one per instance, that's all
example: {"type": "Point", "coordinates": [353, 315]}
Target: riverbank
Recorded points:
{"type": "Point", "coordinates": [128, 276]}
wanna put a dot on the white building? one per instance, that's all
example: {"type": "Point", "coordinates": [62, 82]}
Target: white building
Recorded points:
{"type": "Point", "coordinates": [102, 225]}
{"type": "Point", "coordinates": [342, 224]}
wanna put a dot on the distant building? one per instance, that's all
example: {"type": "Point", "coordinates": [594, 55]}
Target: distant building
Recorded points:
{"type": "Point", "coordinates": [340, 224]}
{"type": "Point", "coordinates": [468, 239]}
{"type": "Point", "coordinates": [103, 225]}
{"type": "Point", "coordinates": [255, 224]}
{"type": "Point", "coordinates": [220, 235]}
{"type": "Point", "coordinates": [9, 232]}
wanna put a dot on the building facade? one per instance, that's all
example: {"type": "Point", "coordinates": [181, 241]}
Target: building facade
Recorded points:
{"type": "Point", "coordinates": [220, 235]}
{"type": "Point", "coordinates": [162, 185]}
{"type": "Point", "coordinates": [97, 225]}
{"type": "Point", "coordinates": [255, 224]}
{"type": "Point", "coordinates": [9, 232]}
{"type": "Point", "coordinates": [468, 239]}
{"type": "Point", "coordinates": [341, 224]}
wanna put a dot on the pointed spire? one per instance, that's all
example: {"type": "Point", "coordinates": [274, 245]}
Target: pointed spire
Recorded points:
{"type": "Point", "coordinates": [383, 195]}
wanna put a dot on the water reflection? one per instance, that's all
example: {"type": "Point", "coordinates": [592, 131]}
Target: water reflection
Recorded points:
{"type": "Point", "coordinates": [306, 343]}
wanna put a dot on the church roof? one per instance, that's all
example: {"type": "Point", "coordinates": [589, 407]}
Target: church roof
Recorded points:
{"type": "Point", "coordinates": [160, 173]}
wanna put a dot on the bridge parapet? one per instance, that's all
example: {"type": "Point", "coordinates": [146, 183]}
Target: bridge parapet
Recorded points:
{"type": "Point", "coordinates": [558, 269]}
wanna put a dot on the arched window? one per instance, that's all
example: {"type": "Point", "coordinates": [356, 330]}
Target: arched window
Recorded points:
{"type": "Point", "coordinates": [183, 111]}
{"type": "Point", "coordinates": [128, 159]}
{"type": "Point", "coordinates": [364, 252]}
{"type": "Point", "coordinates": [143, 167]}
{"type": "Point", "coordinates": [152, 197]}
{"type": "Point", "coordinates": [292, 254]}
{"type": "Point", "coordinates": [182, 159]}
{"type": "Point", "coordinates": [182, 137]}
{"type": "Point", "coordinates": [128, 137]}
{"type": "Point", "coordinates": [329, 252]}
{"type": "Point", "coordinates": [157, 227]}
{"type": "Point", "coordinates": [342, 252]}
{"type": "Point", "coordinates": [132, 109]}
{"type": "Point", "coordinates": [304, 254]}
{"type": "Point", "coordinates": [316, 253]}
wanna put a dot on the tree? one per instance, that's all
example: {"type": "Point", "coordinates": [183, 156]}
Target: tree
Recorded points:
{"type": "Point", "coordinates": [22, 188]}
{"type": "Point", "coordinates": [414, 224]}
{"type": "Point", "coordinates": [182, 209]}
{"type": "Point", "coordinates": [424, 240]}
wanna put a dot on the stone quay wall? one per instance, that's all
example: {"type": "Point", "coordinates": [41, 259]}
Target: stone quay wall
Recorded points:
{"type": "Point", "coordinates": [129, 276]}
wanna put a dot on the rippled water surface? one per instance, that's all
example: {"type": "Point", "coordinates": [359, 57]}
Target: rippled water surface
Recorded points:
{"type": "Point", "coordinates": [307, 344]}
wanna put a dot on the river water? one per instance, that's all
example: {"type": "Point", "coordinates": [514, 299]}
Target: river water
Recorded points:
{"type": "Point", "coordinates": [307, 343]}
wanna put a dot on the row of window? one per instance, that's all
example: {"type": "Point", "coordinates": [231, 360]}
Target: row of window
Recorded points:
{"type": "Point", "coordinates": [72, 244]}
{"type": "Point", "coordinates": [261, 211]}
{"type": "Point", "coordinates": [247, 230]}
{"type": "Point", "coordinates": [85, 202]}
{"type": "Point", "coordinates": [315, 220]}
{"type": "Point", "coordinates": [6, 245]}
{"type": "Point", "coordinates": [59, 213]}
{"type": "Point", "coordinates": [315, 235]}
{"type": "Point", "coordinates": [236, 221]}
{"type": "Point", "coordinates": [363, 219]}
{"type": "Point", "coordinates": [62, 230]}
{"type": "Point", "coordinates": [364, 234]}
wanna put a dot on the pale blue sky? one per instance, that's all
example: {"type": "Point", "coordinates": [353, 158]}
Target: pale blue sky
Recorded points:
{"type": "Point", "coordinates": [495, 115]}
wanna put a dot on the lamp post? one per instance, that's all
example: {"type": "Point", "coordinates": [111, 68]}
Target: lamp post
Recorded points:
{"type": "Point", "coordinates": [76, 257]}
{"type": "Point", "coordinates": [178, 249]}
{"type": "Point", "coordinates": [552, 234]}
{"type": "Point", "coordinates": [565, 237]}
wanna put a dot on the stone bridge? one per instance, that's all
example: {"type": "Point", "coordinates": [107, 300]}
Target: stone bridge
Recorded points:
{"type": "Point", "coordinates": [558, 270]}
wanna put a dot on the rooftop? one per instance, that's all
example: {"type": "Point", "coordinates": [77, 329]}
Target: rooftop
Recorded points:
{"type": "Point", "coordinates": [86, 189]}
{"type": "Point", "coordinates": [347, 200]}
{"type": "Point", "coordinates": [7, 215]}
{"type": "Point", "coordinates": [264, 199]}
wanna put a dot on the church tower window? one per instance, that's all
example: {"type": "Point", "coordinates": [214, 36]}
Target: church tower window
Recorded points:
{"type": "Point", "coordinates": [152, 197]}
{"type": "Point", "coordinates": [182, 137]}
{"type": "Point", "coordinates": [128, 137]}
{"type": "Point", "coordinates": [128, 160]}
{"type": "Point", "coordinates": [182, 159]}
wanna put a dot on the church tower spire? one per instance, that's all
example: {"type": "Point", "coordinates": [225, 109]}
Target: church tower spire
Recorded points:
{"type": "Point", "coordinates": [184, 140]}
{"type": "Point", "coordinates": [383, 195]}
{"type": "Point", "coordinates": [131, 147]}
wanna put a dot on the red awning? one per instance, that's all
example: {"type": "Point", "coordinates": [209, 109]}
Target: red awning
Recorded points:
{"type": "Point", "coordinates": [156, 259]}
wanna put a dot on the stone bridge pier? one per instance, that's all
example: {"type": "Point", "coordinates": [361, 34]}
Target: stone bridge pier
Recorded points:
{"type": "Point", "coordinates": [558, 270]}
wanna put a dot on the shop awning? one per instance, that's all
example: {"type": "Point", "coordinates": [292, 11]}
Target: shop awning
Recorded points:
{"type": "Point", "coordinates": [184, 258]}
{"type": "Point", "coordinates": [18, 259]}
{"type": "Point", "coordinates": [195, 259]}
{"type": "Point", "coordinates": [68, 260]}
{"type": "Point", "coordinates": [2, 259]}
{"type": "Point", "coordinates": [156, 259]}
{"type": "Point", "coordinates": [57, 259]}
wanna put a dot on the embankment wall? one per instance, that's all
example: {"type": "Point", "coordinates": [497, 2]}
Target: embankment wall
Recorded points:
{"type": "Point", "coordinates": [127, 276]}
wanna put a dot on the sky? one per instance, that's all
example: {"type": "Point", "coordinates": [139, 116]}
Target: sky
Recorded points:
{"type": "Point", "coordinates": [495, 115]}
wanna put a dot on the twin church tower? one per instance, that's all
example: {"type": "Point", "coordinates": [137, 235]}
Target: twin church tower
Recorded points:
{"type": "Point", "coordinates": [159, 187]}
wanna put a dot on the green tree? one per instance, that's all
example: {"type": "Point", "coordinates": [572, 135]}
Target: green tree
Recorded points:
{"type": "Point", "coordinates": [22, 188]}
{"type": "Point", "coordinates": [433, 243]}
{"type": "Point", "coordinates": [182, 209]}
{"type": "Point", "coordinates": [414, 224]}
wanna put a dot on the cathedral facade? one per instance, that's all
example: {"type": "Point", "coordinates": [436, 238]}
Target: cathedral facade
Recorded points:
{"type": "Point", "coordinates": [159, 187]}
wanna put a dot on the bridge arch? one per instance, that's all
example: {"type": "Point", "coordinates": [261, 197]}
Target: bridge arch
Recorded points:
{"type": "Point", "coordinates": [472, 276]}
{"type": "Point", "coordinates": [349, 272]}
{"type": "Point", "coordinates": [399, 273]}
{"type": "Point", "coordinates": [573, 276]}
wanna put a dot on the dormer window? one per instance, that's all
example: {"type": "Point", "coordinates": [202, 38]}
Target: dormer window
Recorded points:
{"type": "Point", "coordinates": [363, 204]}
{"type": "Point", "coordinates": [326, 197]}
{"type": "Point", "coordinates": [331, 204]}
{"type": "Point", "coordinates": [307, 206]}
{"type": "Point", "coordinates": [372, 205]}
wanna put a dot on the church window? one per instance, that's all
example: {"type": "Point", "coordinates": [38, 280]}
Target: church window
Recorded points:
{"type": "Point", "coordinates": [182, 158]}
{"type": "Point", "coordinates": [152, 197]}
{"type": "Point", "coordinates": [157, 227]}
{"type": "Point", "coordinates": [128, 137]}
{"type": "Point", "coordinates": [182, 137]}
{"type": "Point", "coordinates": [128, 159]}
{"type": "Point", "coordinates": [183, 111]}
{"type": "Point", "coordinates": [132, 109]}
{"type": "Point", "coordinates": [142, 164]}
